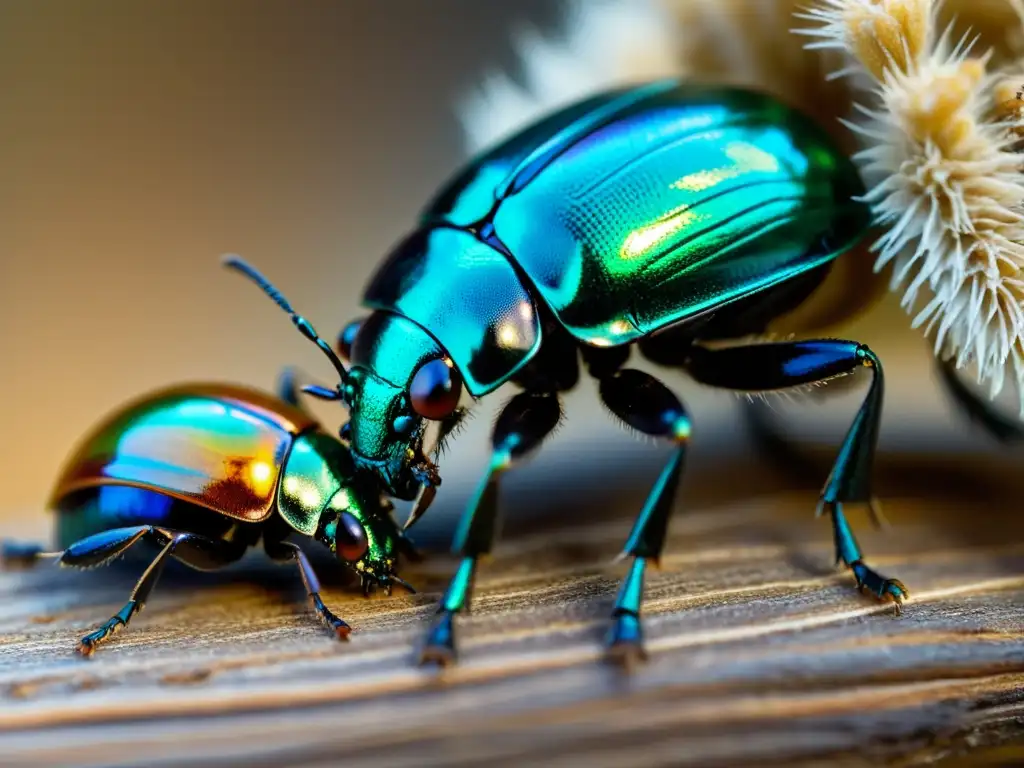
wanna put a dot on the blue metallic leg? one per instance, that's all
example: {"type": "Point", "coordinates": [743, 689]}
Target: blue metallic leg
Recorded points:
{"type": "Point", "coordinates": [99, 549]}
{"type": "Point", "coordinates": [647, 405]}
{"type": "Point", "coordinates": [764, 367]}
{"type": "Point", "coordinates": [285, 551]}
{"type": "Point", "coordinates": [522, 426]}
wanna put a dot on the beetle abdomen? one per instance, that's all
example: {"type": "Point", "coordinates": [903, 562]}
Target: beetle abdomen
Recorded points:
{"type": "Point", "coordinates": [103, 508]}
{"type": "Point", "coordinates": [215, 446]}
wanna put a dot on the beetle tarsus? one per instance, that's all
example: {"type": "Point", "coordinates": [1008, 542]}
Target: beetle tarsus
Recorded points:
{"type": "Point", "coordinates": [848, 552]}
{"type": "Point", "coordinates": [625, 641]}
{"type": "Point", "coordinates": [338, 626]}
{"type": "Point", "coordinates": [439, 648]}
{"type": "Point", "coordinates": [88, 644]}
{"type": "Point", "coordinates": [190, 548]}
{"type": "Point", "coordinates": [870, 581]}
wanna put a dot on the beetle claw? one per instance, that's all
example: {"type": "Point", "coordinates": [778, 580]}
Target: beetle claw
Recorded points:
{"type": "Point", "coordinates": [422, 504]}
{"type": "Point", "coordinates": [440, 646]}
{"type": "Point", "coordinates": [891, 590]}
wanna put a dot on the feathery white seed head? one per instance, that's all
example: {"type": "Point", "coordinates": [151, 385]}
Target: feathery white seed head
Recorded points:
{"type": "Point", "coordinates": [944, 181]}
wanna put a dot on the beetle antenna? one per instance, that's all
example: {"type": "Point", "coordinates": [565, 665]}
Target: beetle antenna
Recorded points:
{"type": "Point", "coordinates": [237, 263]}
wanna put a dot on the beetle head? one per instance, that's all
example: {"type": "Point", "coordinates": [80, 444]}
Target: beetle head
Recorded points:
{"type": "Point", "coordinates": [362, 534]}
{"type": "Point", "coordinates": [400, 378]}
{"type": "Point", "coordinates": [323, 495]}
{"type": "Point", "coordinates": [403, 391]}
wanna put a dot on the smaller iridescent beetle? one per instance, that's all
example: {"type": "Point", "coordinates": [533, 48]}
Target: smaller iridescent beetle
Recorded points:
{"type": "Point", "coordinates": [205, 471]}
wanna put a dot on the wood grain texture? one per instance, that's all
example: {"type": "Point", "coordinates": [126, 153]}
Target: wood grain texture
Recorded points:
{"type": "Point", "coordinates": [761, 652]}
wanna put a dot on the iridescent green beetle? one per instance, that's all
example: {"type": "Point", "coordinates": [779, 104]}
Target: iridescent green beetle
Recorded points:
{"type": "Point", "coordinates": [665, 216]}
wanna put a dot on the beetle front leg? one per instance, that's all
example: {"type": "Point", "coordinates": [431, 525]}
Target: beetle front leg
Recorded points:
{"type": "Point", "coordinates": [286, 551]}
{"type": "Point", "coordinates": [766, 367]}
{"type": "Point", "coordinates": [648, 406]}
{"type": "Point", "coordinates": [523, 425]}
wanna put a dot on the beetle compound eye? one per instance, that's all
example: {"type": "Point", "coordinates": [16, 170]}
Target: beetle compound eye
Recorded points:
{"type": "Point", "coordinates": [347, 338]}
{"type": "Point", "coordinates": [435, 389]}
{"type": "Point", "coordinates": [350, 538]}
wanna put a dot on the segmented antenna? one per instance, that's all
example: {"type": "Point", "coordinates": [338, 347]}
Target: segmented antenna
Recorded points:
{"type": "Point", "coordinates": [237, 263]}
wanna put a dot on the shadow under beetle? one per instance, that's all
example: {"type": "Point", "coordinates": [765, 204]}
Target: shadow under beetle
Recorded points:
{"type": "Point", "coordinates": [677, 218]}
{"type": "Point", "coordinates": [205, 471]}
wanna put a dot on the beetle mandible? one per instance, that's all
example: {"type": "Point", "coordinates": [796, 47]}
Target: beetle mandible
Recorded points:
{"type": "Point", "coordinates": [203, 472]}
{"type": "Point", "coordinates": [665, 216]}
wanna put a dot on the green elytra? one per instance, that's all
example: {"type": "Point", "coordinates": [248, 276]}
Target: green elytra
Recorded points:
{"type": "Point", "coordinates": [658, 218]}
{"type": "Point", "coordinates": [732, 192]}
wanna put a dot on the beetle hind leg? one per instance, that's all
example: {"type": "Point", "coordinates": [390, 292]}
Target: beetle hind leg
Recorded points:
{"type": "Point", "coordinates": [766, 367]}
{"type": "Point", "coordinates": [192, 549]}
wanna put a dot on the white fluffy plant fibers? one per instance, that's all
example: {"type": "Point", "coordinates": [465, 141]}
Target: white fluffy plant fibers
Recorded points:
{"type": "Point", "coordinates": [944, 181]}
{"type": "Point", "coordinates": [607, 43]}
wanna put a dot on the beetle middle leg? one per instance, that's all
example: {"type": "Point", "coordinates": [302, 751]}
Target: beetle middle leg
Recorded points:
{"type": "Point", "coordinates": [197, 551]}
{"type": "Point", "coordinates": [286, 551]}
{"type": "Point", "coordinates": [766, 367]}
{"type": "Point", "coordinates": [522, 426]}
{"type": "Point", "coordinates": [648, 406]}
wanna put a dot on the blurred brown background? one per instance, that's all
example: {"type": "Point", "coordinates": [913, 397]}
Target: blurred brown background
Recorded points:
{"type": "Point", "coordinates": [141, 140]}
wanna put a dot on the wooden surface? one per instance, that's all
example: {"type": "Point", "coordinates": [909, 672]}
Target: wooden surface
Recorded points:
{"type": "Point", "coordinates": [761, 653]}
